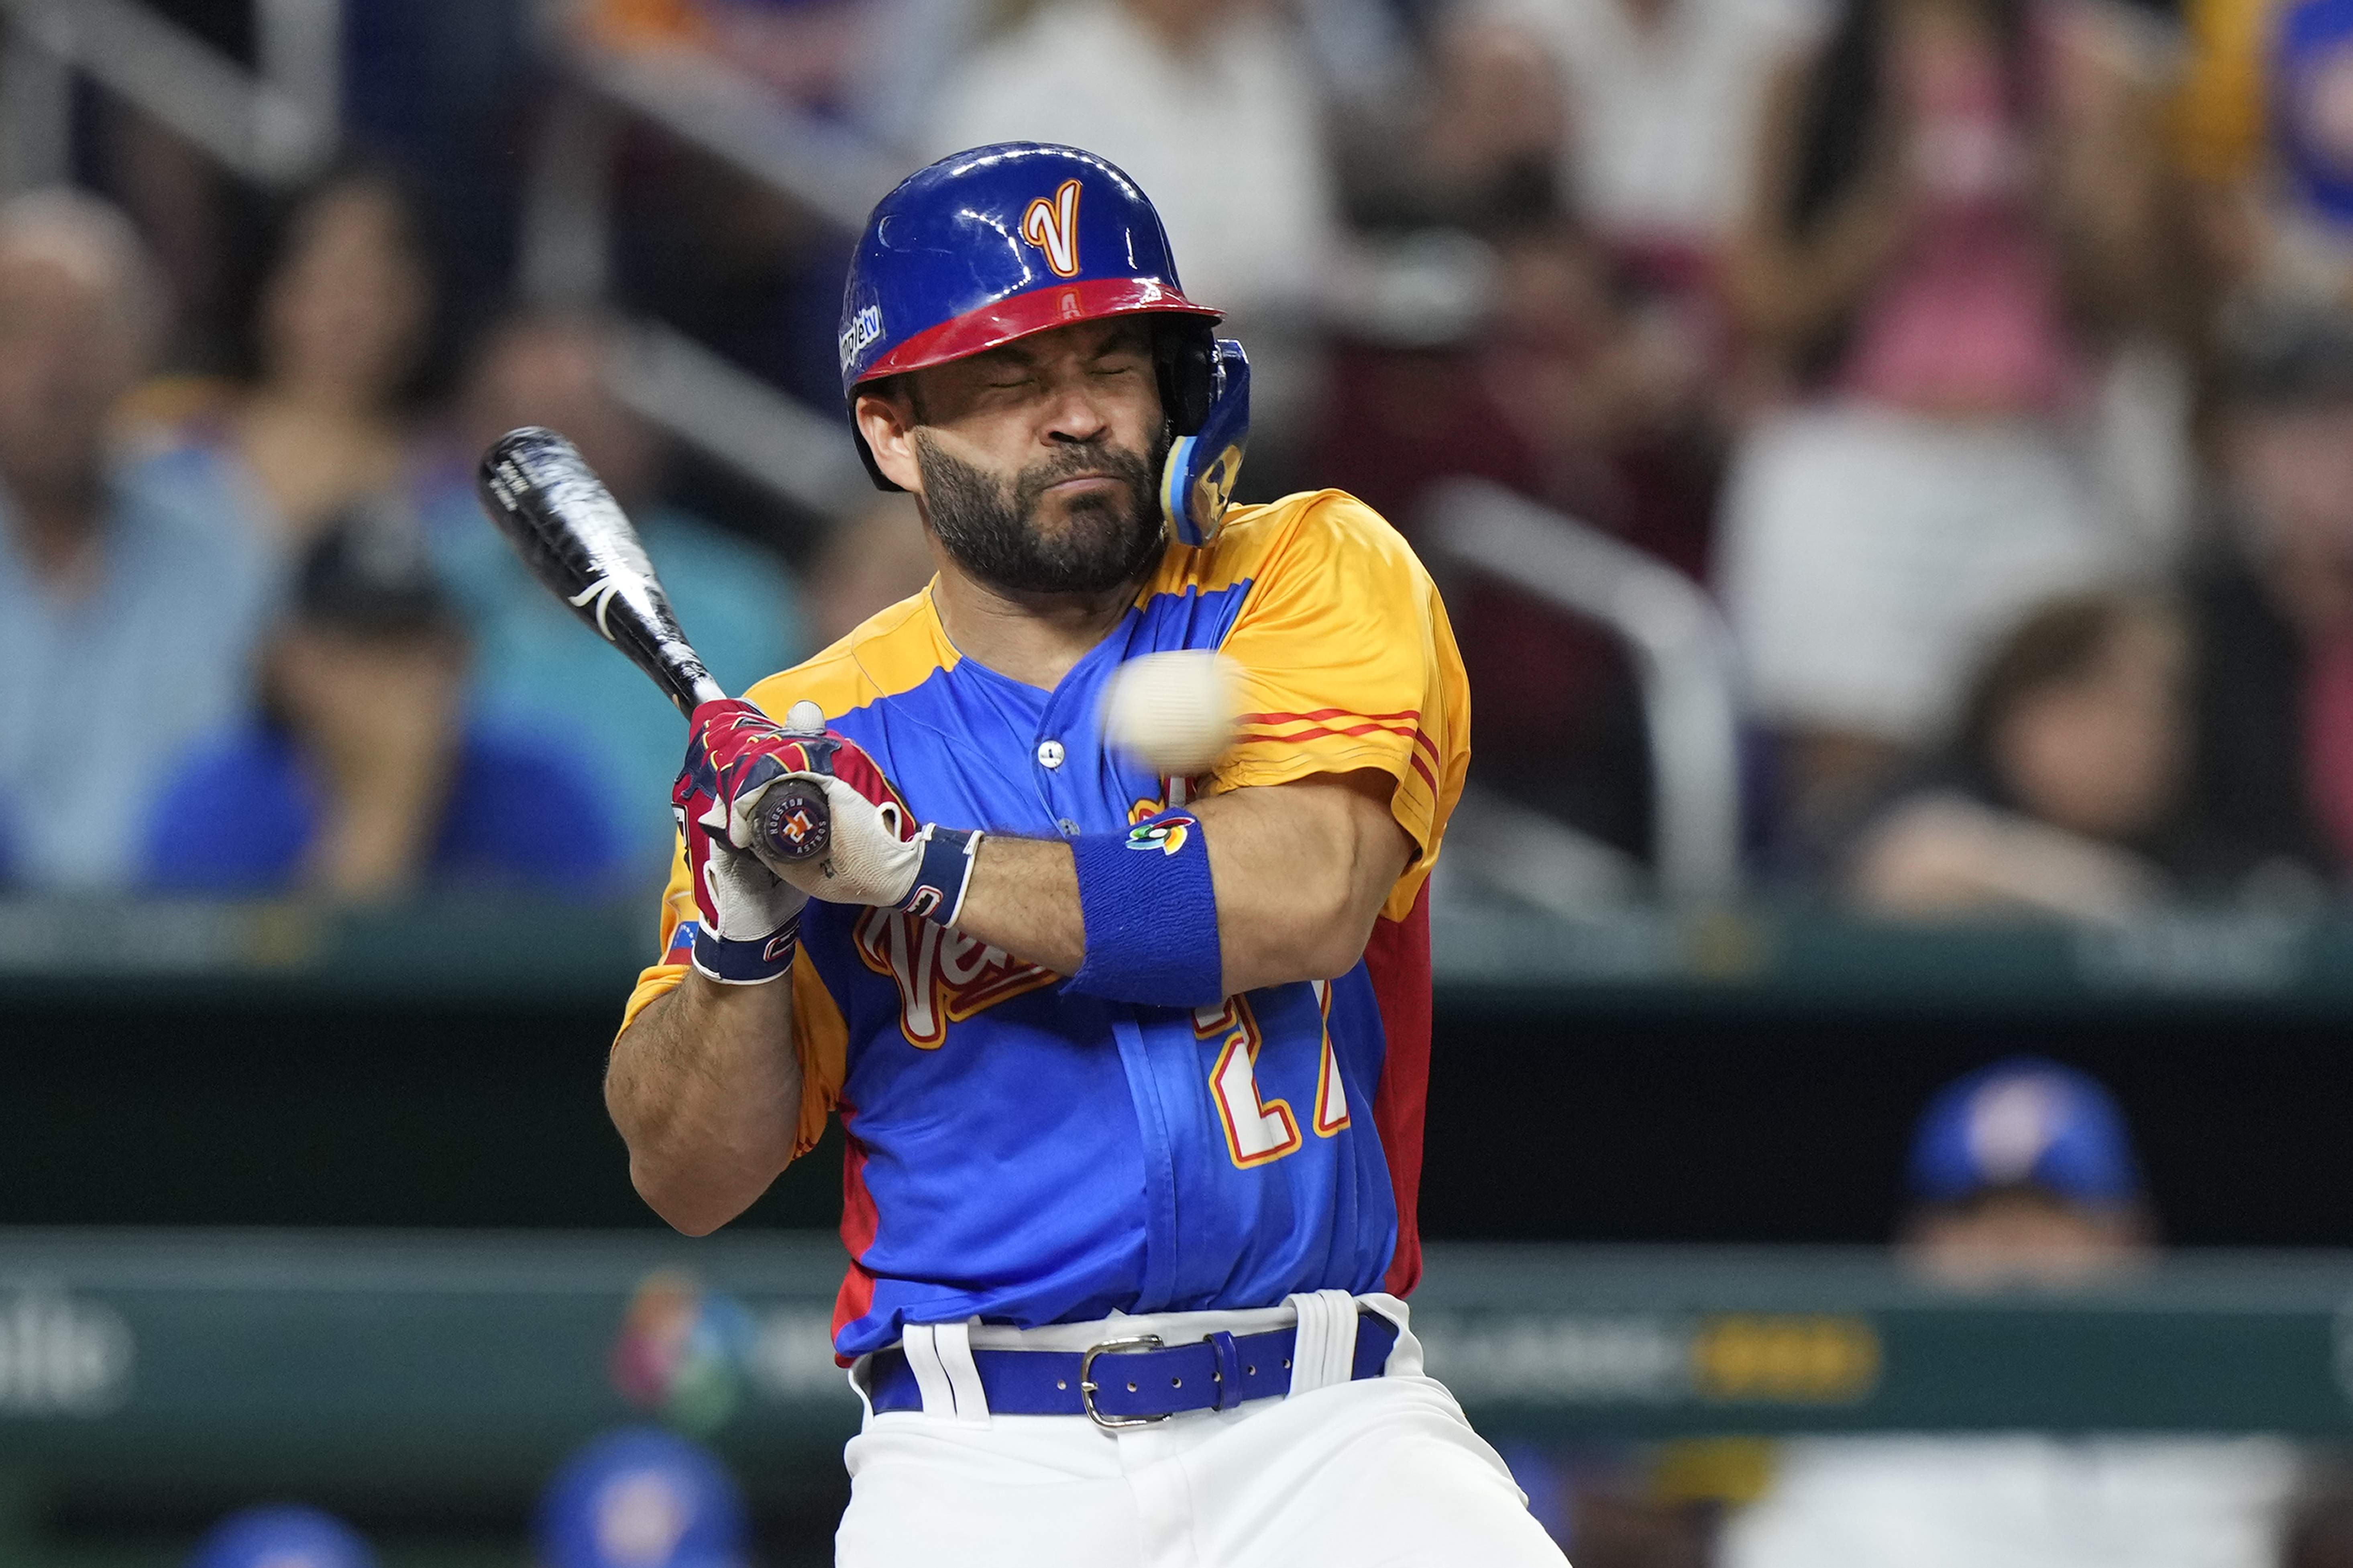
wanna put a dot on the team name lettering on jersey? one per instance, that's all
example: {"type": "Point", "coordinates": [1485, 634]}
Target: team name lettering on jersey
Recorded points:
{"type": "Point", "coordinates": [1051, 225]}
{"type": "Point", "coordinates": [943, 976]}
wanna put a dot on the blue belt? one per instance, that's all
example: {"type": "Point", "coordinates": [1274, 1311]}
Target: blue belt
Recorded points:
{"type": "Point", "coordinates": [1131, 1382]}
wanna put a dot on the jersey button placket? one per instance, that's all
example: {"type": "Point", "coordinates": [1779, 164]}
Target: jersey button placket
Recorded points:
{"type": "Point", "coordinates": [1050, 756]}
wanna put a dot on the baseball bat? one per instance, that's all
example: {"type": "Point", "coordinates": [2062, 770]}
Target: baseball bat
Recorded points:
{"type": "Point", "coordinates": [577, 541]}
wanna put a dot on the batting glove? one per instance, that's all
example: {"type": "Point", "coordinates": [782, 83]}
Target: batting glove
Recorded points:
{"type": "Point", "coordinates": [749, 919]}
{"type": "Point", "coordinates": [879, 856]}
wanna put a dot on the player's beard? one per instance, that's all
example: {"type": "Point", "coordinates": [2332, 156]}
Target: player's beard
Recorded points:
{"type": "Point", "coordinates": [1107, 540]}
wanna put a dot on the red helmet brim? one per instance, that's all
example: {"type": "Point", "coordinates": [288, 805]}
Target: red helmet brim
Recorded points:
{"type": "Point", "coordinates": [1030, 311]}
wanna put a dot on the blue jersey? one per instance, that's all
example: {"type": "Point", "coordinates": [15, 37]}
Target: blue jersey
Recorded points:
{"type": "Point", "coordinates": [241, 810]}
{"type": "Point", "coordinates": [1028, 1156]}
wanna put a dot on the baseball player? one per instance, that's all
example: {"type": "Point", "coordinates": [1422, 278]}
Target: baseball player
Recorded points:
{"type": "Point", "coordinates": [1130, 1068]}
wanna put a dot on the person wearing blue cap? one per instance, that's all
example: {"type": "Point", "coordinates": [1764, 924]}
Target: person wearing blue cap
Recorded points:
{"type": "Point", "coordinates": [282, 1535]}
{"type": "Point", "coordinates": [2021, 1175]}
{"type": "Point", "coordinates": [2024, 1173]}
{"type": "Point", "coordinates": [641, 1498]}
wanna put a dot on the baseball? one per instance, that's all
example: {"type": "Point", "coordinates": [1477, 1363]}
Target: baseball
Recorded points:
{"type": "Point", "coordinates": [1175, 712]}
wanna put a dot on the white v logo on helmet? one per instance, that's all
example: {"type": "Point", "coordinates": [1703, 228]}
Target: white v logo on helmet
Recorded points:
{"type": "Point", "coordinates": [1051, 225]}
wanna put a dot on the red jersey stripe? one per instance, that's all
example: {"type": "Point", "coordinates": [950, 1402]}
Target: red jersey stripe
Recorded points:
{"type": "Point", "coordinates": [1396, 723]}
{"type": "Point", "coordinates": [1396, 959]}
{"type": "Point", "coordinates": [859, 1221]}
{"type": "Point", "coordinates": [1411, 713]}
{"type": "Point", "coordinates": [1321, 732]}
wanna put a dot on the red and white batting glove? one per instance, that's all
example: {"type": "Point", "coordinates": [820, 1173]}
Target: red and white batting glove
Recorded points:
{"type": "Point", "coordinates": [879, 856]}
{"type": "Point", "coordinates": [749, 919]}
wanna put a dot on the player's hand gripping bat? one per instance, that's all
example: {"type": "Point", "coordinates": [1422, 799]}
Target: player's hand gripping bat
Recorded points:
{"type": "Point", "coordinates": [571, 533]}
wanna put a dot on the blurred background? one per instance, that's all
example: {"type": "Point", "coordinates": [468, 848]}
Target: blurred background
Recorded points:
{"type": "Point", "coordinates": [1889, 467]}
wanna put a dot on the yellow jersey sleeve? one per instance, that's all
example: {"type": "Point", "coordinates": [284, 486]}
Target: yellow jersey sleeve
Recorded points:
{"type": "Point", "coordinates": [820, 1035]}
{"type": "Point", "coordinates": [1347, 663]}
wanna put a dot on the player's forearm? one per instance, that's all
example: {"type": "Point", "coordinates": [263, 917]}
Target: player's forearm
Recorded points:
{"type": "Point", "coordinates": [1024, 898]}
{"type": "Point", "coordinates": [705, 1089]}
{"type": "Point", "coordinates": [1300, 871]}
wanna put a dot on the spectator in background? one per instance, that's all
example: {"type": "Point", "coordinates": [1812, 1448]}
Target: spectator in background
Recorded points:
{"type": "Point", "coordinates": [2073, 745]}
{"type": "Point", "coordinates": [1552, 382]}
{"type": "Point", "coordinates": [131, 591]}
{"type": "Point", "coordinates": [641, 1498]}
{"type": "Point", "coordinates": [1211, 105]}
{"type": "Point", "coordinates": [1479, 144]}
{"type": "Point", "coordinates": [2272, 786]}
{"type": "Point", "coordinates": [2022, 1178]}
{"type": "Point", "coordinates": [2023, 1173]}
{"type": "Point", "coordinates": [361, 774]}
{"type": "Point", "coordinates": [535, 670]}
{"type": "Point", "coordinates": [341, 332]}
{"type": "Point", "coordinates": [1652, 143]}
{"type": "Point", "coordinates": [1957, 248]}
{"type": "Point", "coordinates": [2267, 137]}
{"type": "Point", "coordinates": [282, 1535]}
{"type": "Point", "coordinates": [1664, 99]}
{"type": "Point", "coordinates": [746, 268]}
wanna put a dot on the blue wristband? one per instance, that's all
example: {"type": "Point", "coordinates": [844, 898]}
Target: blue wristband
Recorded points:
{"type": "Point", "coordinates": [1151, 915]}
{"type": "Point", "coordinates": [753, 961]}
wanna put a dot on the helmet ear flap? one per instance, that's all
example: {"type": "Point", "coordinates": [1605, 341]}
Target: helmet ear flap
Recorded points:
{"type": "Point", "coordinates": [1197, 482]}
{"type": "Point", "coordinates": [1183, 353]}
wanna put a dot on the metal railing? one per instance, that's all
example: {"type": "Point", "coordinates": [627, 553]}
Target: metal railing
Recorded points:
{"type": "Point", "coordinates": [274, 127]}
{"type": "Point", "coordinates": [278, 126]}
{"type": "Point", "coordinates": [742, 122]}
{"type": "Point", "coordinates": [1682, 658]}
{"type": "Point", "coordinates": [793, 451]}
{"type": "Point", "coordinates": [738, 419]}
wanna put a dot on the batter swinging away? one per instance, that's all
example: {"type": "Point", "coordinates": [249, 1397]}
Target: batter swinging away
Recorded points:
{"type": "Point", "coordinates": [1130, 1068]}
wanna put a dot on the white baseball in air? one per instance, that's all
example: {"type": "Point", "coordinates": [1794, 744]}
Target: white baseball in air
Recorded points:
{"type": "Point", "coordinates": [804, 718]}
{"type": "Point", "coordinates": [1174, 712]}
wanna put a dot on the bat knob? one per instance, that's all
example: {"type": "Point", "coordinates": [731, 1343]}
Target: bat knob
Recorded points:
{"type": "Point", "coordinates": [795, 822]}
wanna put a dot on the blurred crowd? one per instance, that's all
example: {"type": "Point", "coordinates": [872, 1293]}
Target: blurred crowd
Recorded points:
{"type": "Point", "coordinates": [1989, 361]}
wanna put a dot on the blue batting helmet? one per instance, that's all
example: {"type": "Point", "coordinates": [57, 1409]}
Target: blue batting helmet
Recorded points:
{"type": "Point", "coordinates": [1002, 241]}
{"type": "Point", "coordinates": [641, 1498]}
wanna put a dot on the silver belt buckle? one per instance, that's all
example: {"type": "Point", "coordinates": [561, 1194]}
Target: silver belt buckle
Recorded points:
{"type": "Point", "coordinates": [1088, 1388]}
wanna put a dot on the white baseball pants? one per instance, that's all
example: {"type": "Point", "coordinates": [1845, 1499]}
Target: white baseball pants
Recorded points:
{"type": "Point", "coordinates": [1367, 1474]}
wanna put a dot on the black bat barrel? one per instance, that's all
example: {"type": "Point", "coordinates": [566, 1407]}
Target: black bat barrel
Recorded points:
{"type": "Point", "coordinates": [572, 535]}
{"type": "Point", "coordinates": [578, 543]}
